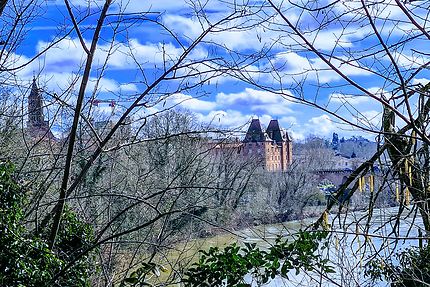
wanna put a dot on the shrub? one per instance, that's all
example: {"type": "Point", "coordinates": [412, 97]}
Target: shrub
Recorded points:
{"type": "Point", "coordinates": [25, 259]}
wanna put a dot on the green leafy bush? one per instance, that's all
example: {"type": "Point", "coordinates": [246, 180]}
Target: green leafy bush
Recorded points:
{"type": "Point", "coordinates": [229, 266]}
{"type": "Point", "coordinates": [25, 259]}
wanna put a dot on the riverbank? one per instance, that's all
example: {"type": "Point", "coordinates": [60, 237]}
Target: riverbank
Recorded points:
{"type": "Point", "coordinates": [349, 247]}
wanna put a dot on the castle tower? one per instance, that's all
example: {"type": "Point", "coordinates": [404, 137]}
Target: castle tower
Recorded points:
{"type": "Point", "coordinates": [254, 143]}
{"type": "Point", "coordinates": [274, 131]}
{"type": "Point", "coordinates": [255, 132]}
{"type": "Point", "coordinates": [272, 147]}
{"type": "Point", "coordinates": [283, 141]}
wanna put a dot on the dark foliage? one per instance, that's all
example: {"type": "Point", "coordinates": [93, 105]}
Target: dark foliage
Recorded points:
{"type": "Point", "coordinates": [229, 266]}
{"type": "Point", "coordinates": [411, 268]}
{"type": "Point", "coordinates": [27, 260]}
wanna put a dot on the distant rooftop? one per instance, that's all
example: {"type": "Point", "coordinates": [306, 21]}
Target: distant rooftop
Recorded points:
{"type": "Point", "coordinates": [273, 132]}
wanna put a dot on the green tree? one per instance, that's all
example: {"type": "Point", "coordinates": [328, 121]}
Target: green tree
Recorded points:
{"type": "Point", "coordinates": [27, 260]}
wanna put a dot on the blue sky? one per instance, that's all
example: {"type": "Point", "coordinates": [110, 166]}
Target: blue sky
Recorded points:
{"type": "Point", "coordinates": [142, 47]}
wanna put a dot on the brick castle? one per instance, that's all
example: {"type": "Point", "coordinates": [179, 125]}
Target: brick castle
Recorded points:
{"type": "Point", "coordinates": [272, 148]}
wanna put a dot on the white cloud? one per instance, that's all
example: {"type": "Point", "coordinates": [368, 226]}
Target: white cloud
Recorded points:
{"type": "Point", "coordinates": [128, 88]}
{"type": "Point", "coordinates": [353, 100]}
{"type": "Point", "coordinates": [422, 81]}
{"type": "Point", "coordinates": [154, 5]}
{"type": "Point", "coordinates": [231, 118]}
{"type": "Point", "coordinates": [290, 67]}
{"type": "Point", "coordinates": [334, 38]}
{"type": "Point", "coordinates": [191, 28]}
{"type": "Point", "coordinates": [186, 26]}
{"type": "Point", "coordinates": [131, 5]}
{"type": "Point", "coordinates": [68, 54]}
{"type": "Point", "coordinates": [248, 96]}
{"type": "Point", "coordinates": [377, 91]}
{"type": "Point", "coordinates": [322, 125]}
{"type": "Point", "coordinates": [62, 62]}
{"type": "Point", "coordinates": [193, 104]}
{"type": "Point", "coordinates": [370, 119]}
{"type": "Point", "coordinates": [168, 6]}
{"type": "Point", "coordinates": [359, 109]}
{"type": "Point", "coordinates": [408, 60]}
{"type": "Point", "coordinates": [380, 9]}
{"type": "Point", "coordinates": [297, 135]}
{"type": "Point", "coordinates": [263, 29]}
{"type": "Point", "coordinates": [249, 100]}
{"type": "Point", "coordinates": [149, 54]}
{"type": "Point", "coordinates": [58, 82]}
{"type": "Point", "coordinates": [258, 101]}
{"type": "Point", "coordinates": [288, 121]}
{"type": "Point", "coordinates": [228, 118]}
{"type": "Point", "coordinates": [233, 35]}
{"type": "Point", "coordinates": [14, 61]}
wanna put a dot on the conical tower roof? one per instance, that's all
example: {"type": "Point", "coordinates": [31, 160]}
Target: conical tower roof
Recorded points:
{"type": "Point", "coordinates": [34, 89]}
{"type": "Point", "coordinates": [255, 132]}
{"type": "Point", "coordinates": [35, 106]}
{"type": "Point", "coordinates": [275, 132]}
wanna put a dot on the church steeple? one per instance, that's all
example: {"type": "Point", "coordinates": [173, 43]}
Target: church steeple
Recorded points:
{"type": "Point", "coordinates": [35, 106]}
{"type": "Point", "coordinates": [37, 127]}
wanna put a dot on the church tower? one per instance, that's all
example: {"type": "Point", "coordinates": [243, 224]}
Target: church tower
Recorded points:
{"type": "Point", "coordinates": [36, 125]}
{"type": "Point", "coordinates": [35, 107]}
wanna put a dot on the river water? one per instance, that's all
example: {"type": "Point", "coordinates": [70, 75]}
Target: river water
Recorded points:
{"type": "Point", "coordinates": [349, 245]}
